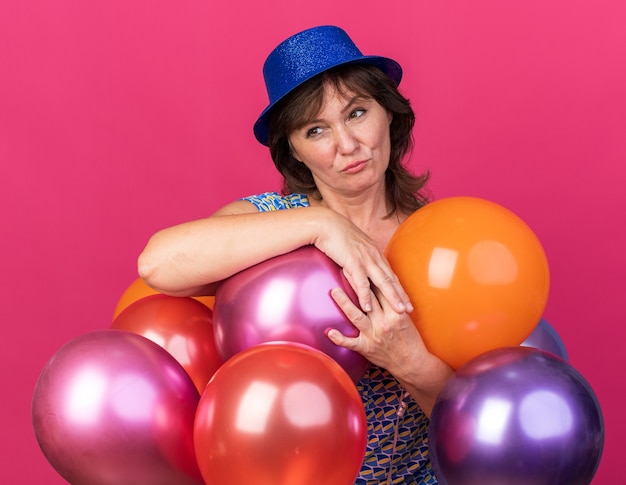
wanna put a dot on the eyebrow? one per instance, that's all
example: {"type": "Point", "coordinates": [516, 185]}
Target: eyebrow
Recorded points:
{"type": "Point", "coordinates": [353, 100]}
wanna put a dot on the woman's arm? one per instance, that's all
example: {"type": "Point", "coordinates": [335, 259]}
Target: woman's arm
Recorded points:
{"type": "Point", "coordinates": [188, 259]}
{"type": "Point", "coordinates": [191, 258]}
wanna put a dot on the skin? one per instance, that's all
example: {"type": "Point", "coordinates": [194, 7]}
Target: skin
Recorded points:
{"type": "Point", "coordinates": [346, 147]}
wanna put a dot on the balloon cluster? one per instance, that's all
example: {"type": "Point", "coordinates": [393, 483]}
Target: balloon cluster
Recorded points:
{"type": "Point", "coordinates": [246, 387]}
{"type": "Point", "coordinates": [181, 390]}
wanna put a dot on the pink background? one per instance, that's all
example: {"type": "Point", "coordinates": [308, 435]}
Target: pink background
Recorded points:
{"type": "Point", "coordinates": [121, 117]}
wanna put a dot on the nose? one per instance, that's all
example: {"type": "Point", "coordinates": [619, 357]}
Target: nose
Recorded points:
{"type": "Point", "coordinates": [346, 141]}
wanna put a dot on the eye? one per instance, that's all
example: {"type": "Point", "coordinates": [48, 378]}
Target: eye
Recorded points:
{"type": "Point", "coordinates": [357, 113]}
{"type": "Point", "coordinates": [312, 132]}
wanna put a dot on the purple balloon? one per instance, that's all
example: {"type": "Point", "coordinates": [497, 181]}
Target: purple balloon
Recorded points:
{"type": "Point", "coordinates": [113, 408]}
{"type": "Point", "coordinates": [545, 337]}
{"type": "Point", "coordinates": [286, 298]}
{"type": "Point", "coordinates": [516, 415]}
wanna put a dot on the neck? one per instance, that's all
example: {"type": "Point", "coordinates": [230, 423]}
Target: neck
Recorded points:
{"type": "Point", "coordinates": [367, 211]}
{"type": "Point", "coordinates": [361, 209]}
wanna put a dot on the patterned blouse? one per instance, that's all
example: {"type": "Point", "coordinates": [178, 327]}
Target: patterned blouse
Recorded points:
{"type": "Point", "coordinates": [397, 447]}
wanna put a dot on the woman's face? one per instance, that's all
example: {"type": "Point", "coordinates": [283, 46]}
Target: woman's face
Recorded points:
{"type": "Point", "coordinates": [347, 145]}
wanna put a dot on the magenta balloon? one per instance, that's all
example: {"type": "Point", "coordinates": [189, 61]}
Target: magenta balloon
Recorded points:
{"type": "Point", "coordinates": [516, 415]}
{"type": "Point", "coordinates": [113, 408]}
{"type": "Point", "coordinates": [545, 337]}
{"type": "Point", "coordinates": [286, 298]}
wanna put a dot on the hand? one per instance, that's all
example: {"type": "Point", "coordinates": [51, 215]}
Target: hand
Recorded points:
{"type": "Point", "coordinates": [363, 263]}
{"type": "Point", "coordinates": [387, 338]}
{"type": "Point", "coordinates": [390, 340]}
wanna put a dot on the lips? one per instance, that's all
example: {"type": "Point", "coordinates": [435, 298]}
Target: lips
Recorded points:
{"type": "Point", "coordinates": [355, 167]}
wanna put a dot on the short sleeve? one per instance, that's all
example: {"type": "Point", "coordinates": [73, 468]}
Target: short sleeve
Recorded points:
{"type": "Point", "coordinates": [273, 201]}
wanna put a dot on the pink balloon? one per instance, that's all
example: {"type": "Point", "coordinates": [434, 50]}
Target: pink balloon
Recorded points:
{"type": "Point", "coordinates": [114, 408]}
{"type": "Point", "coordinates": [286, 298]}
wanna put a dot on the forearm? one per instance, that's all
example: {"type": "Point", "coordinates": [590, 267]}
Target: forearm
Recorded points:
{"type": "Point", "coordinates": [425, 383]}
{"type": "Point", "coordinates": [183, 259]}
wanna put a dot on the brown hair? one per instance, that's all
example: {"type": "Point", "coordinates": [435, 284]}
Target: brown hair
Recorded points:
{"type": "Point", "coordinates": [404, 189]}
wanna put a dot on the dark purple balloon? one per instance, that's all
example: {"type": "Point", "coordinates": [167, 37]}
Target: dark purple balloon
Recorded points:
{"type": "Point", "coordinates": [113, 408]}
{"type": "Point", "coordinates": [545, 337]}
{"type": "Point", "coordinates": [286, 298]}
{"type": "Point", "coordinates": [516, 416]}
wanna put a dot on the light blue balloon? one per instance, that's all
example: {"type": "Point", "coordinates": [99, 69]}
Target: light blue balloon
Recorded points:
{"type": "Point", "coordinates": [545, 337]}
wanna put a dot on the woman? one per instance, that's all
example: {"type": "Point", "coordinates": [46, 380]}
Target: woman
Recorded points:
{"type": "Point", "coordinates": [338, 130]}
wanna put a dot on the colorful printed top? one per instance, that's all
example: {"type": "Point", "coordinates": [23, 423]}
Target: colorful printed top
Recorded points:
{"type": "Point", "coordinates": [397, 428]}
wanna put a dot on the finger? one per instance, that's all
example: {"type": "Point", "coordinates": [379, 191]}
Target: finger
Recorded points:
{"type": "Point", "coordinates": [352, 312]}
{"type": "Point", "coordinates": [360, 283]}
{"type": "Point", "coordinates": [389, 286]}
{"type": "Point", "coordinates": [382, 301]}
{"type": "Point", "coordinates": [340, 339]}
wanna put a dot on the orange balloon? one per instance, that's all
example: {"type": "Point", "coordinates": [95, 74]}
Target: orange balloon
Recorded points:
{"type": "Point", "coordinates": [138, 289]}
{"type": "Point", "coordinates": [280, 413]}
{"type": "Point", "coordinates": [476, 274]}
{"type": "Point", "coordinates": [182, 326]}
{"type": "Point", "coordinates": [208, 301]}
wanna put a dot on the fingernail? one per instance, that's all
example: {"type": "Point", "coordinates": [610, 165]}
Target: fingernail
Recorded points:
{"type": "Point", "coordinates": [367, 308]}
{"type": "Point", "coordinates": [401, 306]}
{"type": "Point", "coordinates": [409, 307]}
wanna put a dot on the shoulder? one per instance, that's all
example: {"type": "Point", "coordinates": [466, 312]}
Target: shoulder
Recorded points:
{"type": "Point", "coordinates": [272, 201]}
